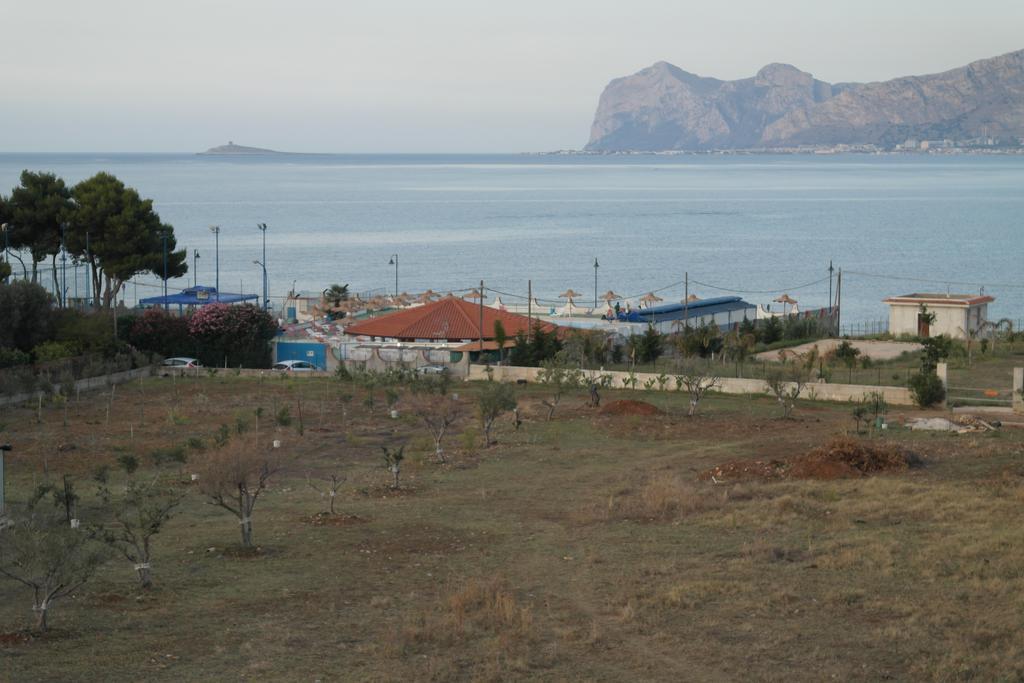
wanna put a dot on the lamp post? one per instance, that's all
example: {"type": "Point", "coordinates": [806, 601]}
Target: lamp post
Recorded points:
{"type": "Point", "coordinates": [4, 227]}
{"type": "Point", "coordinates": [394, 262]}
{"type": "Point", "coordinates": [195, 267]}
{"type": "Point", "coordinates": [63, 268]}
{"type": "Point", "coordinates": [163, 237]}
{"type": "Point", "coordinates": [88, 272]}
{"type": "Point", "coordinates": [74, 263]}
{"type": "Point", "coordinates": [215, 229]}
{"type": "Point", "coordinates": [266, 301]}
{"type": "Point", "coordinates": [596, 266]}
{"type": "Point", "coordinates": [266, 297]}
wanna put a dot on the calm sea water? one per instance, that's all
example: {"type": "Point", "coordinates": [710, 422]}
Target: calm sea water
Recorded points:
{"type": "Point", "coordinates": [759, 225]}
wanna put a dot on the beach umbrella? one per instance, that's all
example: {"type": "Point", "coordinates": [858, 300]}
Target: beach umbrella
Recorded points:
{"type": "Point", "coordinates": [650, 298]}
{"type": "Point", "coordinates": [692, 298]}
{"type": "Point", "coordinates": [569, 294]}
{"type": "Point", "coordinates": [427, 296]}
{"type": "Point", "coordinates": [785, 300]}
{"type": "Point", "coordinates": [610, 296]}
{"type": "Point", "coordinates": [474, 294]}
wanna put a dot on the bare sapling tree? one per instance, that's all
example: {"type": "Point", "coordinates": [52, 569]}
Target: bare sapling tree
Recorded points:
{"type": "Point", "coordinates": [786, 382]}
{"type": "Point", "coordinates": [494, 400]}
{"type": "Point", "coordinates": [393, 462]}
{"type": "Point", "coordinates": [330, 488]}
{"type": "Point", "coordinates": [697, 381]}
{"type": "Point", "coordinates": [234, 476]}
{"type": "Point", "coordinates": [44, 554]}
{"type": "Point", "coordinates": [138, 514]}
{"type": "Point", "coordinates": [438, 414]}
{"type": "Point", "coordinates": [557, 376]}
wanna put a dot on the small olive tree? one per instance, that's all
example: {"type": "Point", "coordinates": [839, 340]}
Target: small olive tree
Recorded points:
{"type": "Point", "coordinates": [44, 554]}
{"type": "Point", "coordinates": [332, 483]}
{"type": "Point", "coordinates": [139, 513]}
{"type": "Point", "coordinates": [233, 477]}
{"type": "Point", "coordinates": [697, 382]}
{"type": "Point", "coordinates": [558, 377]}
{"type": "Point", "coordinates": [393, 462]}
{"type": "Point", "coordinates": [438, 414]}
{"type": "Point", "coordinates": [494, 399]}
{"type": "Point", "coordinates": [786, 382]}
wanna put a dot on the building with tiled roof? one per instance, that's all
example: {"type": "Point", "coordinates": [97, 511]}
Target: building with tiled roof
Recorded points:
{"type": "Point", "coordinates": [447, 320]}
{"type": "Point", "coordinates": [928, 315]}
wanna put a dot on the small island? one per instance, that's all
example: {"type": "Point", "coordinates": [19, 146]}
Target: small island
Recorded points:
{"type": "Point", "coordinates": [232, 148]}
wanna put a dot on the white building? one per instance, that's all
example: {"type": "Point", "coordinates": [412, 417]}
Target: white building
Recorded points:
{"type": "Point", "coordinates": [926, 315]}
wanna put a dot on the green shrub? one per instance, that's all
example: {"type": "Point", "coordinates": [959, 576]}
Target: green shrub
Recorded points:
{"type": "Point", "coordinates": [52, 350]}
{"type": "Point", "coordinates": [927, 389]}
{"type": "Point", "coordinates": [10, 358]}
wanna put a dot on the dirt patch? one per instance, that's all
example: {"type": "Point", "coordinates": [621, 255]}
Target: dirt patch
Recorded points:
{"type": "Point", "coordinates": [327, 519]}
{"type": "Point", "coordinates": [15, 638]}
{"type": "Point", "coordinates": [385, 491]}
{"type": "Point", "coordinates": [629, 407]}
{"type": "Point", "coordinates": [843, 457]}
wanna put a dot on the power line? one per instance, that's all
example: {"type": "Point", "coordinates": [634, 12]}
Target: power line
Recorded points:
{"type": "Point", "coordinates": [935, 282]}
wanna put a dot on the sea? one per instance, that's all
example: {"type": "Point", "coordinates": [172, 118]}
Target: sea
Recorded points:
{"type": "Point", "coordinates": [755, 226]}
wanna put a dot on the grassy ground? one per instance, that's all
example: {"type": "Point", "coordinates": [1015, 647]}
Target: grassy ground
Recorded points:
{"type": "Point", "coordinates": [585, 548]}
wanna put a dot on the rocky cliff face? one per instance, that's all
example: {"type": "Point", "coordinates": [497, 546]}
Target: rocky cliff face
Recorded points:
{"type": "Point", "coordinates": [663, 107]}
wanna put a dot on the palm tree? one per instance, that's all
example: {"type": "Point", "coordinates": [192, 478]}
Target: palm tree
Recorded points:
{"type": "Point", "coordinates": [335, 294]}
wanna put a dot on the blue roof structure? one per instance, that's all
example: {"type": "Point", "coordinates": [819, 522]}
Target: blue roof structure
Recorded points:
{"type": "Point", "coordinates": [694, 309]}
{"type": "Point", "coordinates": [197, 296]}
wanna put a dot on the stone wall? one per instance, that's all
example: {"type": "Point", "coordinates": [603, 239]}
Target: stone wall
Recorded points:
{"type": "Point", "coordinates": [726, 385]}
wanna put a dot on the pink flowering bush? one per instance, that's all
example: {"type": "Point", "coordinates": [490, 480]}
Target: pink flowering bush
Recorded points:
{"type": "Point", "coordinates": [237, 335]}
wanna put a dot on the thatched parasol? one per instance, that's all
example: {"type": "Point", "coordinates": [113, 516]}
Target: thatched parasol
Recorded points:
{"type": "Point", "coordinates": [610, 296]}
{"type": "Point", "coordinates": [569, 294]}
{"type": "Point", "coordinates": [475, 295]}
{"type": "Point", "coordinates": [650, 298]}
{"type": "Point", "coordinates": [692, 298]}
{"type": "Point", "coordinates": [427, 296]}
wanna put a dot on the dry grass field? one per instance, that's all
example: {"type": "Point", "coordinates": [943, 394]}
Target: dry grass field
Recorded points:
{"type": "Point", "coordinates": [585, 548]}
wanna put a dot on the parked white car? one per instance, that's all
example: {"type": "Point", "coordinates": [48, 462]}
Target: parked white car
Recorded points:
{"type": "Point", "coordinates": [182, 362]}
{"type": "Point", "coordinates": [432, 370]}
{"type": "Point", "coordinates": [295, 366]}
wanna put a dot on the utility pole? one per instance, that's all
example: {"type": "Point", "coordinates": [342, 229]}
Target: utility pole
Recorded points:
{"type": "Point", "coordinates": [830, 270]}
{"type": "Point", "coordinates": [481, 318]}
{"type": "Point", "coordinates": [686, 300]}
{"type": "Point", "coordinates": [266, 299]}
{"type": "Point", "coordinates": [596, 266]}
{"type": "Point", "coordinates": [529, 310]}
{"type": "Point", "coordinates": [839, 299]}
{"type": "Point", "coordinates": [215, 229]}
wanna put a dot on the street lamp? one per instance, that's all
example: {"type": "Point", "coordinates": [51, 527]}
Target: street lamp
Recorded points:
{"type": "Point", "coordinates": [63, 268]}
{"type": "Point", "coordinates": [163, 237]}
{"type": "Point", "coordinates": [215, 229]}
{"type": "Point", "coordinates": [596, 266]}
{"type": "Point", "coordinates": [4, 227]}
{"type": "Point", "coordinates": [195, 267]}
{"type": "Point", "coordinates": [394, 262]}
{"type": "Point", "coordinates": [266, 298]}
{"type": "Point", "coordinates": [266, 301]}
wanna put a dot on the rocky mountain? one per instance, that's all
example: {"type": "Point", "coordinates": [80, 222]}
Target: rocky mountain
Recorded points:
{"type": "Point", "coordinates": [663, 107]}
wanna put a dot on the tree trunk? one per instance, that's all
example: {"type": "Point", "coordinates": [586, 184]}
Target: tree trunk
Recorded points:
{"type": "Point", "coordinates": [246, 526]}
{"type": "Point", "coordinates": [145, 578]}
{"type": "Point", "coordinates": [395, 471]}
{"type": "Point", "coordinates": [693, 408]}
{"type": "Point", "coordinates": [40, 611]}
{"type": "Point", "coordinates": [438, 451]}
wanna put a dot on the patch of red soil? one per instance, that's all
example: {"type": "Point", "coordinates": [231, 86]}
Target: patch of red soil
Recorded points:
{"type": "Point", "coordinates": [15, 638]}
{"type": "Point", "coordinates": [385, 491]}
{"type": "Point", "coordinates": [629, 407]}
{"type": "Point", "coordinates": [337, 519]}
{"type": "Point", "coordinates": [843, 457]}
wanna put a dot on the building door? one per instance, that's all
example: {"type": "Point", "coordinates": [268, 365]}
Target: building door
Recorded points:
{"type": "Point", "coordinates": [923, 327]}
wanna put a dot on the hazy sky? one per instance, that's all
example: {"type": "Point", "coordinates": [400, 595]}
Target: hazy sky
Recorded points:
{"type": "Point", "coordinates": [429, 75]}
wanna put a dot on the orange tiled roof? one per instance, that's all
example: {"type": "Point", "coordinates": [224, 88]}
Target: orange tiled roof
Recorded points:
{"type": "Point", "coordinates": [450, 319]}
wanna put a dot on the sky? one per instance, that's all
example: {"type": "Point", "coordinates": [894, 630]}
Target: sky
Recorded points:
{"type": "Point", "coordinates": [424, 76]}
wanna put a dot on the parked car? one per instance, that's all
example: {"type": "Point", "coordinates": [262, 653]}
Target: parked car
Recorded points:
{"type": "Point", "coordinates": [295, 366]}
{"type": "Point", "coordinates": [182, 362]}
{"type": "Point", "coordinates": [432, 370]}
